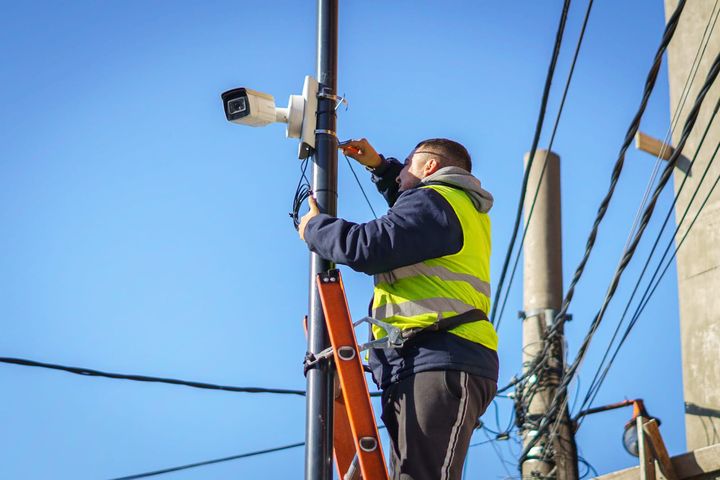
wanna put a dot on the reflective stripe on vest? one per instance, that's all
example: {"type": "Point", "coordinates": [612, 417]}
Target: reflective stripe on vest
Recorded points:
{"type": "Point", "coordinates": [439, 271]}
{"type": "Point", "coordinates": [421, 307]}
{"type": "Point", "coordinates": [413, 296]}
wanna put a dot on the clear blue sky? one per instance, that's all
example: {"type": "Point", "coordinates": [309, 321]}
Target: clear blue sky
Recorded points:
{"type": "Point", "coordinates": [142, 233]}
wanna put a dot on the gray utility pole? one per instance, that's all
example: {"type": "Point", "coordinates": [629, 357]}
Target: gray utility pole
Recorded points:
{"type": "Point", "coordinates": [320, 380]}
{"type": "Point", "coordinates": [698, 260]}
{"type": "Point", "coordinates": [543, 292]}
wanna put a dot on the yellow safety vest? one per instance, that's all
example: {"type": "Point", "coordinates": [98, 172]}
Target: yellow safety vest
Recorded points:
{"type": "Point", "coordinates": [414, 295]}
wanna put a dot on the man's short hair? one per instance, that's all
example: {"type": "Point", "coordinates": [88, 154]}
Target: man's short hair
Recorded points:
{"type": "Point", "coordinates": [449, 152]}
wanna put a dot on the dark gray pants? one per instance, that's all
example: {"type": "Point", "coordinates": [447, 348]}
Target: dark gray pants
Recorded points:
{"type": "Point", "coordinates": [430, 417]}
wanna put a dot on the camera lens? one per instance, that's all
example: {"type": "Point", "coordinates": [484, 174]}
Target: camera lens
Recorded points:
{"type": "Point", "coordinates": [237, 105]}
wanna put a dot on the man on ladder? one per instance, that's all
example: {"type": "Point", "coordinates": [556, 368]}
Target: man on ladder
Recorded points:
{"type": "Point", "coordinates": [430, 257]}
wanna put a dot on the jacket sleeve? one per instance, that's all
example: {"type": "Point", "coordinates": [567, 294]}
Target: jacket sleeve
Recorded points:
{"type": "Point", "coordinates": [384, 177]}
{"type": "Point", "coordinates": [420, 226]}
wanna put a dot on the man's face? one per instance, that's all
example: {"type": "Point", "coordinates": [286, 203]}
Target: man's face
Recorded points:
{"type": "Point", "coordinates": [413, 171]}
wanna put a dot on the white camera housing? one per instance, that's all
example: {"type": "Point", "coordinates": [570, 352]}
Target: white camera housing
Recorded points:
{"type": "Point", "coordinates": [257, 109]}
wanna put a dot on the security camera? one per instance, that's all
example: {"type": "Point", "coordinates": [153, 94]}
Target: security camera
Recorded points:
{"type": "Point", "coordinates": [257, 109]}
{"type": "Point", "coordinates": [250, 107]}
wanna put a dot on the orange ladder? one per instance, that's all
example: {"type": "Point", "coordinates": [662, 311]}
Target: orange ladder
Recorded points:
{"type": "Point", "coordinates": [356, 442]}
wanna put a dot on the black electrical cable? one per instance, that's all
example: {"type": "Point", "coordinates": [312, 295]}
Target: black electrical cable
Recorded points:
{"type": "Point", "coordinates": [210, 462]}
{"type": "Point", "coordinates": [542, 173]}
{"type": "Point", "coordinates": [533, 149]}
{"type": "Point", "coordinates": [143, 378]}
{"type": "Point", "coordinates": [87, 372]}
{"type": "Point", "coordinates": [667, 172]}
{"type": "Point", "coordinates": [360, 185]}
{"type": "Point", "coordinates": [218, 460]}
{"type": "Point", "coordinates": [588, 465]}
{"type": "Point", "coordinates": [302, 192]}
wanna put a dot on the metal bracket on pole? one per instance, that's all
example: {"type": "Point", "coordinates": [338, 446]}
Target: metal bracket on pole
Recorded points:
{"type": "Point", "coordinates": [549, 314]}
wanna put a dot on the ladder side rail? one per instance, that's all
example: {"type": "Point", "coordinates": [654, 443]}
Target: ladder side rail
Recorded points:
{"type": "Point", "coordinates": [352, 376]}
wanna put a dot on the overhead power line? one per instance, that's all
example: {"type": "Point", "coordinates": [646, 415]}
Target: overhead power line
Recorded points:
{"type": "Point", "coordinates": [542, 172]}
{"type": "Point", "coordinates": [210, 462]}
{"type": "Point", "coordinates": [88, 372]}
{"type": "Point", "coordinates": [536, 140]}
{"type": "Point", "coordinates": [143, 378]}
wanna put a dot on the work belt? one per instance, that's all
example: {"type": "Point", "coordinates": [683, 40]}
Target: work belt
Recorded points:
{"type": "Point", "coordinates": [443, 324]}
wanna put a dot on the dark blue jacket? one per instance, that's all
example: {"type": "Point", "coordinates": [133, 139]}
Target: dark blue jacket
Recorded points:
{"type": "Point", "coordinates": [420, 225]}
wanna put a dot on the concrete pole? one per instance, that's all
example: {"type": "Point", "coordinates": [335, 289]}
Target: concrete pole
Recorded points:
{"type": "Point", "coordinates": [542, 299]}
{"type": "Point", "coordinates": [698, 260]}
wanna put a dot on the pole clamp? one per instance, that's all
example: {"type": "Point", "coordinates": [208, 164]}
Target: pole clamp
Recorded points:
{"type": "Point", "coordinates": [321, 131]}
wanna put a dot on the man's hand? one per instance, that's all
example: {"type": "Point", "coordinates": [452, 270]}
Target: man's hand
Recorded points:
{"type": "Point", "coordinates": [314, 211]}
{"type": "Point", "coordinates": [362, 151]}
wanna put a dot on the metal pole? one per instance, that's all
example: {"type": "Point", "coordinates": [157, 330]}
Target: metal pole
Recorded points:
{"type": "Point", "coordinates": [318, 436]}
{"type": "Point", "coordinates": [543, 291]}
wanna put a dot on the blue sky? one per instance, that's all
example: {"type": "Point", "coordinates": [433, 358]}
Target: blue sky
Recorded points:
{"type": "Point", "coordinates": [142, 233]}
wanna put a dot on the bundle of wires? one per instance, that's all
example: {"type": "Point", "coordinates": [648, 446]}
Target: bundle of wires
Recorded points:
{"type": "Point", "coordinates": [302, 193]}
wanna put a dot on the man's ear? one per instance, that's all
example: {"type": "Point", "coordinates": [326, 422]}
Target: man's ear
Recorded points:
{"type": "Point", "coordinates": [431, 166]}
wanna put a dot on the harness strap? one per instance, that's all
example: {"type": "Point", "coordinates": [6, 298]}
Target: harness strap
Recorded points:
{"type": "Point", "coordinates": [443, 324]}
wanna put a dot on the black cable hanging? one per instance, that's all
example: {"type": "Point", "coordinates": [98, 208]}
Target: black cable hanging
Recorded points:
{"type": "Point", "coordinates": [143, 378]}
{"type": "Point", "coordinates": [536, 140]}
{"type": "Point", "coordinates": [367, 200]}
{"type": "Point", "coordinates": [210, 462]}
{"type": "Point", "coordinates": [302, 192]}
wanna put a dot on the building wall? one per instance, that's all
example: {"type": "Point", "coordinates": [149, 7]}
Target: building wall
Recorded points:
{"type": "Point", "coordinates": [698, 260]}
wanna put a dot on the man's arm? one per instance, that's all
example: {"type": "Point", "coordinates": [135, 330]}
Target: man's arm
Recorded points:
{"type": "Point", "coordinates": [421, 225]}
{"type": "Point", "coordinates": [385, 171]}
{"type": "Point", "coordinates": [385, 179]}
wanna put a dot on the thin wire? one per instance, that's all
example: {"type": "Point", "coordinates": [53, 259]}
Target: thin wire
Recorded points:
{"type": "Point", "coordinates": [143, 378]}
{"type": "Point", "coordinates": [88, 372]}
{"type": "Point", "coordinates": [360, 185]}
{"type": "Point", "coordinates": [218, 460]}
{"type": "Point", "coordinates": [542, 173]}
{"type": "Point", "coordinates": [210, 462]}
{"type": "Point", "coordinates": [533, 149]}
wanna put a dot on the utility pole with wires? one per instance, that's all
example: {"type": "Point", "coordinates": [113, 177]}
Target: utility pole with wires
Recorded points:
{"type": "Point", "coordinates": [555, 454]}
